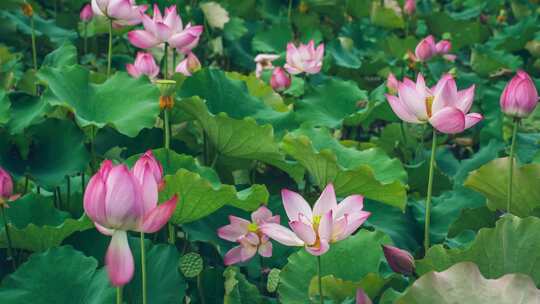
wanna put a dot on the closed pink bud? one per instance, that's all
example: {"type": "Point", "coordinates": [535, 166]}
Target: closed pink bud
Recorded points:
{"type": "Point", "coordinates": [443, 47]}
{"type": "Point", "coordinates": [425, 49]}
{"type": "Point", "coordinates": [144, 65]}
{"type": "Point", "coordinates": [189, 65]}
{"type": "Point", "coordinates": [86, 13]}
{"type": "Point", "coordinates": [520, 96]}
{"type": "Point", "coordinates": [409, 7]}
{"type": "Point", "coordinates": [6, 185]}
{"type": "Point", "coordinates": [392, 84]}
{"type": "Point", "coordinates": [399, 260]}
{"type": "Point", "coordinates": [362, 297]}
{"type": "Point", "coordinates": [280, 80]}
{"type": "Point", "coordinates": [147, 162]}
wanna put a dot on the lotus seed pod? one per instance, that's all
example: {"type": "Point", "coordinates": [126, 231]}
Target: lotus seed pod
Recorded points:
{"type": "Point", "coordinates": [273, 280]}
{"type": "Point", "coordinates": [191, 264]}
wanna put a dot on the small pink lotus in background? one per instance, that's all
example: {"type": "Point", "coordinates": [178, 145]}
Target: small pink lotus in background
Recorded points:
{"type": "Point", "coordinates": [520, 97]}
{"type": "Point", "coordinates": [6, 188]}
{"type": "Point", "coordinates": [427, 49]}
{"type": "Point", "coordinates": [280, 80]}
{"type": "Point", "coordinates": [264, 62]}
{"type": "Point", "coordinates": [121, 12]}
{"type": "Point", "coordinates": [249, 235]}
{"type": "Point", "coordinates": [443, 106]}
{"type": "Point", "coordinates": [189, 65]}
{"type": "Point", "coordinates": [117, 200]}
{"type": "Point", "coordinates": [144, 65]}
{"type": "Point", "coordinates": [362, 297]}
{"type": "Point", "coordinates": [86, 13]}
{"type": "Point", "coordinates": [166, 29]}
{"type": "Point", "coordinates": [316, 229]}
{"type": "Point", "coordinates": [409, 7]}
{"type": "Point", "coordinates": [304, 58]}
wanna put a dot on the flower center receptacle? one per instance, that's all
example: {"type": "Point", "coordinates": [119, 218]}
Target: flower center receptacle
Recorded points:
{"type": "Point", "coordinates": [252, 227]}
{"type": "Point", "coordinates": [429, 104]}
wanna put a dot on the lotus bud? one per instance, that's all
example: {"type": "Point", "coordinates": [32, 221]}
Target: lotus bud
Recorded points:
{"type": "Point", "coordinates": [399, 260]}
{"type": "Point", "coordinates": [425, 49]}
{"type": "Point", "coordinates": [409, 7]}
{"type": "Point", "coordinates": [519, 97]}
{"type": "Point", "coordinates": [280, 80]}
{"type": "Point", "coordinates": [362, 297]}
{"type": "Point", "coordinates": [86, 13]}
{"type": "Point", "coordinates": [27, 10]}
{"type": "Point", "coordinates": [443, 47]}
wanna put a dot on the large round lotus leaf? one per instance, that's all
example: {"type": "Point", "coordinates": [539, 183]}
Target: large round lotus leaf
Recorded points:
{"type": "Point", "coordinates": [463, 283]}
{"type": "Point", "coordinates": [350, 260]}
{"type": "Point", "coordinates": [513, 246]}
{"type": "Point", "coordinates": [57, 150]}
{"type": "Point", "coordinates": [58, 275]}
{"type": "Point", "coordinates": [126, 103]}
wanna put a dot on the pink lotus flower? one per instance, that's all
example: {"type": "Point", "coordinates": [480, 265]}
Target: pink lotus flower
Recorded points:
{"type": "Point", "coordinates": [248, 234]}
{"type": "Point", "coordinates": [392, 84]}
{"type": "Point", "coordinates": [409, 7]}
{"type": "Point", "coordinates": [443, 47]}
{"type": "Point", "coordinates": [399, 260]}
{"type": "Point", "coordinates": [280, 79]}
{"type": "Point", "coordinates": [189, 65]}
{"type": "Point", "coordinates": [316, 229]}
{"type": "Point", "coordinates": [6, 188]}
{"type": "Point", "coordinates": [520, 97]}
{"type": "Point", "coordinates": [86, 13]}
{"type": "Point", "coordinates": [144, 65]}
{"type": "Point", "coordinates": [305, 58]}
{"type": "Point", "coordinates": [167, 28]}
{"type": "Point", "coordinates": [427, 48]}
{"type": "Point", "coordinates": [443, 106]}
{"type": "Point", "coordinates": [122, 12]}
{"type": "Point", "coordinates": [264, 62]}
{"type": "Point", "coordinates": [362, 297]}
{"type": "Point", "coordinates": [118, 200]}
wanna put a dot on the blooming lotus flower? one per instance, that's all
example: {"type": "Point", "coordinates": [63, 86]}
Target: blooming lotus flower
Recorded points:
{"type": "Point", "coordinates": [392, 84]}
{"type": "Point", "coordinates": [168, 28]}
{"type": "Point", "coordinates": [399, 260]}
{"type": "Point", "coordinates": [305, 58]}
{"type": "Point", "coordinates": [248, 234]}
{"type": "Point", "coordinates": [122, 12]}
{"type": "Point", "coordinates": [280, 79]}
{"type": "Point", "coordinates": [6, 188]}
{"type": "Point", "coordinates": [189, 65]}
{"type": "Point", "coordinates": [443, 106]}
{"type": "Point", "coordinates": [117, 200]}
{"type": "Point", "coordinates": [86, 13]}
{"type": "Point", "coordinates": [264, 62]}
{"type": "Point", "coordinates": [520, 96]}
{"type": "Point", "coordinates": [144, 65]}
{"type": "Point", "coordinates": [315, 229]}
{"type": "Point", "coordinates": [409, 7]}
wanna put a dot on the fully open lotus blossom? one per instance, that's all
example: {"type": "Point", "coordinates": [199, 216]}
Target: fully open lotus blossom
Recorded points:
{"type": "Point", "coordinates": [144, 65]}
{"type": "Point", "coordinates": [6, 188]}
{"type": "Point", "coordinates": [122, 12]}
{"type": "Point", "coordinates": [399, 260]}
{"type": "Point", "coordinates": [189, 65]}
{"type": "Point", "coordinates": [316, 229]}
{"type": "Point", "coordinates": [249, 235]}
{"type": "Point", "coordinates": [520, 97]}
{"type": "Point", "coordinates": [118, 200]}
{"type": "Point", "coordinates": [409, 7]}
{"type": "Point", "coordinates": [443, 106]}
{"type": "Point", "coordinates": [86, 13]}
{"type": "Point", "coordinates": [304, 58]}
{"type": "Point", "coordinates": [167, 28]}
{"type": "Point", "coordinates": [280, 80]}
{"type": "Point", "coordinates": [264, 62]}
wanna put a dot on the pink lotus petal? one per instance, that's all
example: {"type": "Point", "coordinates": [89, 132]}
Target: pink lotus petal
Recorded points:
{"type": "Point", "coordinates": [265, 249]}
{"type": "Point", "coordinates": [304, 232]}
{"type": "Point", "coordinates": [104, 230]}
{"type": "Point", "coordinates": [233, 256]}
{"type": "Point", "coordinates": [142, 39]}
{"type": "Point", "coordinates": [123, 203]}
{"type": "Point", "coordinates": [326, 201]}
{"type": "Point", "coordinates": [472, 119]}
{"type": "Point", "coordinates": [414, 101]}
{"type": "Point", "coordinates": [235, 230]}
{"type": "Point", "coordinates": [119, 260]}
{"type": "Point", "coordinates": [400, 109]}
{"type": "Point", "coordinates": [261, 215]}
{"type": "Point", "coordinates": [465, 99]}
{"type": "Point", "coordinates": [449, 120]}
{"type": "Point", "coordinates": [281, 234]}
{"type": "Point", "coordinates": [295, 204]}
{"type": "Point", "coordinates": [445, 94]}
{"type": "Point", "coordinates": [320, 250]}
{"type": "Point", "coordinates": [351, 204]}
{"type": "Point", "coordinates": [94, 199]}
{"type": "Point", "coordinates": [354, 221]}
{"type": "Point", "coordinates": [159, 216]}
{"type": "Point", "coordinates": [325, 226]}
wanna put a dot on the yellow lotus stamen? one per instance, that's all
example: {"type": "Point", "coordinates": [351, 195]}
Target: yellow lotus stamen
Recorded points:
{"type": "Point", "coordinates": [252, 227]}
{"type": "Point", "coordinates": [429, 104]}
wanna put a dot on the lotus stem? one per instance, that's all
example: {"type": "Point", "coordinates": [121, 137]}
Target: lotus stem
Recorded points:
{"type": "Point", "coordinates": [289, 11]}
{"type": "Point", "coordinates": [319, 277]}
{"type": "Point", "coordinates": [34, 51]}
{"type": "Point", "coordinates": [8, 238]}
{"type": "Point", "coordinates": [172, 233]}
{"type": "Point", "coordinates": [429, 191]}
{"type": "Point", "coordinates": [119, 295]}
{"type": "Point", "coordinates": [85, 38]}
{"type": "Point", "coordinates": [109, 55]}
{"type": "Point", "coordinates": [143, 269]}
{"type": "Point", "coordinates": [511, 166]}
{"type": "Point", "coordinates": [68, 180]}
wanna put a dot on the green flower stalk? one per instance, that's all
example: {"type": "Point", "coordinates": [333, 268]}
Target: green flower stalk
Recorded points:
{"type": "Point", "coordinates": [430, 190]}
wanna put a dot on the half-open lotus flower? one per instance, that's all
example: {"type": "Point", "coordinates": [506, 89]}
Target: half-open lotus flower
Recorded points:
{"type": "Point", "coordinates": [118, 200]}
{"type": "Point", "coordinates": [304, 58]}
{"type": "Point", "coordinates": [144, 65]}
{"type": "Point", "coordinates": [316, 229]}
{"type": "Point", "coordinates": [6, 188]}
{"type": "Point", "coordinates": [264, 62]}
{"type": "Point", "coordinates": [166, 28]}
{"type": "Point", "coordinates": [189, 65]}
{"type": "Point", "coordinates": [122, 12]}
{"type": "Point", "coordinates": [248, 235]}
{"type": "Point", "coordinates": [443, 106]}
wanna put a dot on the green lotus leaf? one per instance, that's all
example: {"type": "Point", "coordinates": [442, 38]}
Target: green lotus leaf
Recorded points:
{"type": "Point", "coordinates": [491, 180]}
{"type": "Point", "coordinates": [127, 104]}
{"type": "Point", "coordinates": [513, 246]}
{"type": "Point", "coordinates": [5, 107]}
{"type": "Point", "coordinates": [238, 290]}
{"type": "Point", "coordinates": [463, 283]}
{"type": "Point", "coordinates": [58, 275]}
{"type": "Point", "coordinates": [370, 172]}
{"type": "Point", "coordinates": [26, 110]}
{"type": "Point", "coordinates": [341, 261]}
